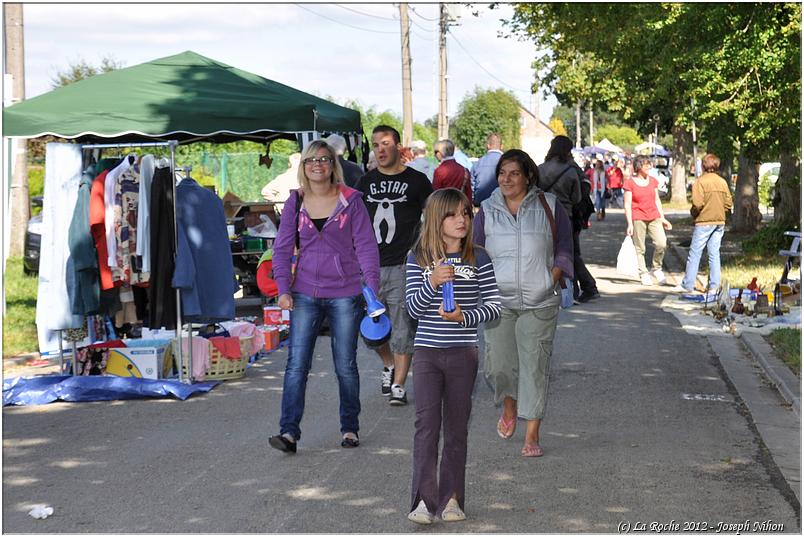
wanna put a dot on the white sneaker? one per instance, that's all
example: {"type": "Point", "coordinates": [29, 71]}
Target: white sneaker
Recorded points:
{"type": "Point", "coordinates": [659, 275]}
{"type": "Point", "coordinates": [399, 396]}
{"type": "Point", "coordinates": [421, 515]}
{"type": "Point", "coordinates": [646, 279]}
{"type": "Point", "coordinates": [453, 512]}
{"type": "Point", "coordinates": [679, 289]}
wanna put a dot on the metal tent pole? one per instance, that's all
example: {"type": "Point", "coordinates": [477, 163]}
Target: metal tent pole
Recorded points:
{"type": "Point", "coordinates": [179, 326]}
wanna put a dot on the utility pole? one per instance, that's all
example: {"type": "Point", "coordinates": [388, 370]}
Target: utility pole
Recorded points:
{"type": "Point", "coordinates": [443, 126]}
{"type": "Point", "coordinates": [15, 66]}
{"type": "Point", "coordinates": [591, 126]}
{"type": "Point", "coordinates": [578, 123]}
{"type": "Point", "coordinates": [407, 87]}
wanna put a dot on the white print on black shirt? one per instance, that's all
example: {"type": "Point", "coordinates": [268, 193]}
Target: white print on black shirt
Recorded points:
{"type": "Point", "coordinates": [385, 213]}
{"type": "Point", "coordinates": [464, 272]}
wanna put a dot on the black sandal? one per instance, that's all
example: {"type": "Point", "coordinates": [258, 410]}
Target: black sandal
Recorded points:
{"type": "Point", "coordinates": [349, 442]}
{"type": "Point", "coordinates": [282, 444]}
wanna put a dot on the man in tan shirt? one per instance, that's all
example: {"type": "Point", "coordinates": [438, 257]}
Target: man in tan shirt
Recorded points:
{"type": "Point", "coordinates": [711, 198]}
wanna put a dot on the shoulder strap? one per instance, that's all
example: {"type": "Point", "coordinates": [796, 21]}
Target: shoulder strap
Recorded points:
{"type": "Point", "coordinates": [299, 199]}
{"type": "Point", "coordinates": [551, 219]}
{"type": "Point", "coordinates": [553, 228]}
{"type": "Point", "coordinates": [547, 189]}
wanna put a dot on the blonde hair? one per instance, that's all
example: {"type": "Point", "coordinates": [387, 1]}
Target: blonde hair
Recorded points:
{"type": "Point", "coordinates": [309, 152]}
{"type": "Point", "coordinates": [430, 248]}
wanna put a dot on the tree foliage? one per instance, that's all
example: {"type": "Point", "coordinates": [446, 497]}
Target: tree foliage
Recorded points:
{"type": "Point", "coordinates": [739, 62]}
{"type": "Point", "coordinates": [80, 70]}
{"type": "Point", "coordinates": [485, 111]}
{"type": "Point", "coordinates": [557, 126]}
{"type": "Point", "coordinates": [622, 136]}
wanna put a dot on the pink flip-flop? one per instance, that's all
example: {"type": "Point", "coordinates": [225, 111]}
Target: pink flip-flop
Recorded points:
{"type": "Point", "coordinates": [532, 450]}
{"type": "Point", "coordinates": [506, 428]}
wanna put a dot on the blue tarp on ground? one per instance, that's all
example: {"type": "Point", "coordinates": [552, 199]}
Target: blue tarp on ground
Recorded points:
{"type": "Point", "coordinates": [45, 389]}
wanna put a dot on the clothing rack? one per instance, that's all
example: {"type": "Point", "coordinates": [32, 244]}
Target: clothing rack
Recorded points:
{"type": "Point", "coordinates": [172, 144]}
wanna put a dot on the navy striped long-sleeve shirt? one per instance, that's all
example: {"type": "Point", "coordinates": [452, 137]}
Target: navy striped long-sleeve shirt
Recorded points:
{"type": "Point", "coordinates": [475, 290]}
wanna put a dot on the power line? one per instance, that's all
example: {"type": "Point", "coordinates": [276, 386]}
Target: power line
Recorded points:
{"type": "Point", "coordinates": [481, 66]}
{"type": "Point", "coordinates": [343, 23]}
{"type": "Point", "coordinates": [422, 16]}
{"type": "Point", "coordinates": [365, 14]}
{"type": "Point", "coordinates": [420, 26]}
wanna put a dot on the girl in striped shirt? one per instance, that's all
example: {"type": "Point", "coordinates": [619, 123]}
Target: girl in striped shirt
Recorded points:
{"type": "Point", "coordinates": [445, 350]}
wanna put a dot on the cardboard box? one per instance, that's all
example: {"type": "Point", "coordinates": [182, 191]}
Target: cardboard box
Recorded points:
{"type": "Point", "coordinates": [139, 362]}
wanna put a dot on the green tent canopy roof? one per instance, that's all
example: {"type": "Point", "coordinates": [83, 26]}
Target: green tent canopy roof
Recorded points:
{"type": "Point", "coordinates": [185, 97]}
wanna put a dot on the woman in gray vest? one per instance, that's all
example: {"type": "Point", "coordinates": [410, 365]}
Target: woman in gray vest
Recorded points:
{"type": "Point", "coordinates": [528, 236]}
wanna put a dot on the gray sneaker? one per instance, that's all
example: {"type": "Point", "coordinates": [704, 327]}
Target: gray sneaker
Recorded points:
{"type": "Point", "coordinates": [398, 396]}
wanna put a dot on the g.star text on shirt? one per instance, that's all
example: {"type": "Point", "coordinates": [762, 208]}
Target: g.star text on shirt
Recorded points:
{"type": "Point", "coordinates": [392, 187]}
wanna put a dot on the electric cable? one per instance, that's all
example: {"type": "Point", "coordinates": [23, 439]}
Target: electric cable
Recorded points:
{"type": "Point", "coordinates": [343, 23]}
{"type": "Point", "coordinates": [421, 16]}
{"type": "Point", "coordinates": [366, 14]}
{"type": "Point", "coordinates": [483, 68]}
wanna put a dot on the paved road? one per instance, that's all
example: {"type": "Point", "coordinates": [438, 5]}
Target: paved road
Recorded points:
{"type": "Point", "coordinates": [642, 427]}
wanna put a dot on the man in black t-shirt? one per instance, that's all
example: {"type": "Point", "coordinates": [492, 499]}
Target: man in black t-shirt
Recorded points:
{"type": "Point", "coordinates": [395, 195]}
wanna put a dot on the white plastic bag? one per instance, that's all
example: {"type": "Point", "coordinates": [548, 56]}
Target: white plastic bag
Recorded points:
{"type": "Point", "coordinates": [566, 294]}
{"type": "Point", "coordinates": [627, 259]}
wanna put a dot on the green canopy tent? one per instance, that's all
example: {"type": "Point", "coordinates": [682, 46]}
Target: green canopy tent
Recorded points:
{"type": "Point", "coordinates": [185, 97]}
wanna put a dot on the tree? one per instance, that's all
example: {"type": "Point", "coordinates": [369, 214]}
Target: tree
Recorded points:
{"type": "Point", "coordinates": [557, 126]}
{"type": "Point", "coordinates": [624, 137]}
{"type": "Point", "coordinates": [484, 112]}
{"type": "Point", "coordinates": [739, 62]}
{"type": "Point", "coordinates": [81, 70]}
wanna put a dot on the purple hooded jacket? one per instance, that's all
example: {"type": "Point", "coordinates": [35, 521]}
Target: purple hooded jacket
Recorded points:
{"type": "Point", "coordinates": [331, 261]}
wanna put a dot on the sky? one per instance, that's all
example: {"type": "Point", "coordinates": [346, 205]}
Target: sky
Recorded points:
{"type": "Point", "coordinates": [346, 51]}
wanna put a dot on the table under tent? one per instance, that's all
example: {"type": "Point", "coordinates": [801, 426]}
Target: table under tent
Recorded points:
{"type": "Point", "coordinates": [159, 104]}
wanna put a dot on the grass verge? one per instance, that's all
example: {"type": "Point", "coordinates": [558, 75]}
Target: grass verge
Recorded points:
{"type": "Point", "coordinates": [19, 322]}
{"type": "Point", "coordinates": [786, 343]}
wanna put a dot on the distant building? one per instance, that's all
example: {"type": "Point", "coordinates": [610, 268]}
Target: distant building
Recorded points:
{"type": "Point", "coordinates": [534, 134]}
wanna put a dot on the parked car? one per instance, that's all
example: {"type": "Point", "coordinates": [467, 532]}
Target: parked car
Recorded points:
{"type": "Point", "coordinates": [33, 240]}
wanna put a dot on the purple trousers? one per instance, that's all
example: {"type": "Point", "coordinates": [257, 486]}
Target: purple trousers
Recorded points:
{"type": "Point", "coordinates": [443, 380]}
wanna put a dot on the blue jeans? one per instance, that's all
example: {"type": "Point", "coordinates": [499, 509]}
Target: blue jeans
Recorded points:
{"type": "Point", "coordinates": [344, 315]}
{"type": "Point", "coordinates": [709, 236]}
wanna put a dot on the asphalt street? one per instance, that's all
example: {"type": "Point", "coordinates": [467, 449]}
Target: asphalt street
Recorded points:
{"type": "Point", "coordinates": [643, 431]}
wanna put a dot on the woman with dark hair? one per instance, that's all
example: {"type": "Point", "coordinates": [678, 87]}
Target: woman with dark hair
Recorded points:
{"type": "Point", "coordinates": [528, 235]}
{"type": "Point", "coordinates": [326, 224]}
{"type": "Point", "coordinates": [643, 211]}
{"type": "Point", "coordinates": [560, 175]}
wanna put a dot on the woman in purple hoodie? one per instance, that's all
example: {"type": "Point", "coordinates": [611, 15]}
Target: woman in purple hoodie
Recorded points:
{"type": "Point", "coordinates": [327, 226]}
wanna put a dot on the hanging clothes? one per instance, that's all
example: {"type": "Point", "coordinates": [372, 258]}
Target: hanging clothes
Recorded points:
{"type": "Point", "coordinates": [161, 295]}
{"type": "Point", "coordinates": [111, 217]}
{"type": "Point", "coordinates": [97, 223]}
{"type": "Point", "coordinates": [204, 270]}
{"type": "Point", "coordinates": [127, 195]}
{"type": "Point", "coordinates": [63, 172]}
{"type": "Point", "coordinates": [144, 214]}
{"type": "Point", "coordinates": [82, 275]}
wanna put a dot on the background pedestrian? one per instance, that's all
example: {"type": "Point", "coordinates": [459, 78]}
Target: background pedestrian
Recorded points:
{"type": "Point", "coordinates": [643, 211]}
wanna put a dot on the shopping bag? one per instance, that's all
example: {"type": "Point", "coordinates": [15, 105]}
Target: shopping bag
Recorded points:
{"type": "Point", "coordinates": [627, 259]}
{"type": "Point", "coordinates": [566, 294]}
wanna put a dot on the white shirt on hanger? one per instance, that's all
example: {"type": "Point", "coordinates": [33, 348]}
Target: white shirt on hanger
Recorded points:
{"type": "Point", "coordinates": [144, 212]}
